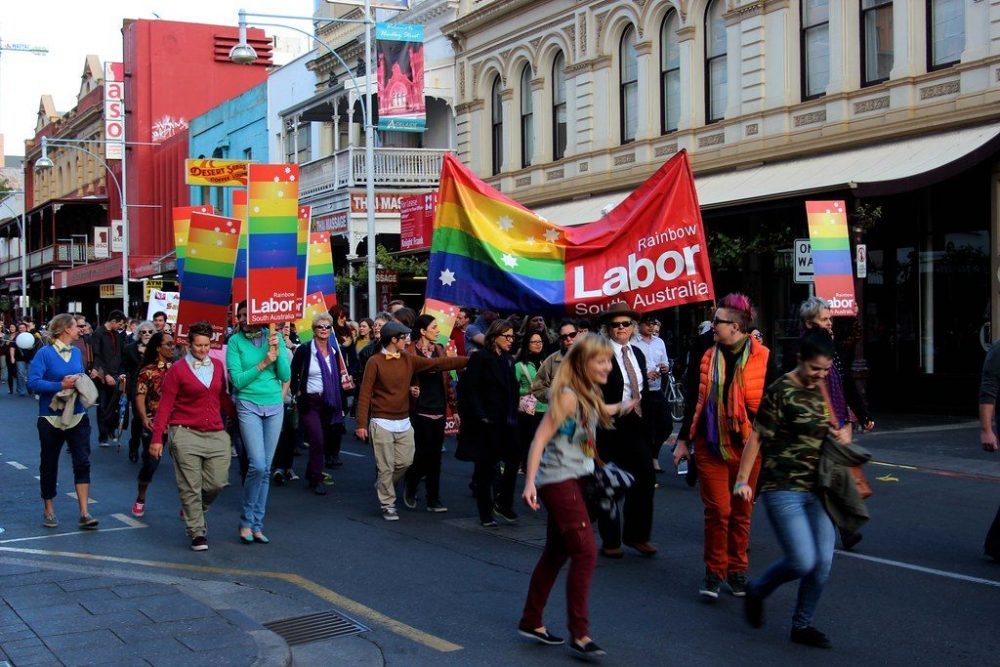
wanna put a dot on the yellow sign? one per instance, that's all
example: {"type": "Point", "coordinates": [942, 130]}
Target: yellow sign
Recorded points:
{"type": "Point", "coordinates": [216, 172]}
{"type": "Point", "coordinates": [150, 286]}
{"type": "Point", "coordinates": [111, 291]}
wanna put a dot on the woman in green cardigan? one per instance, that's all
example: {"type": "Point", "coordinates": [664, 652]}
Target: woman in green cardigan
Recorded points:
{"type": "Point", "coordinates": [258, 366]}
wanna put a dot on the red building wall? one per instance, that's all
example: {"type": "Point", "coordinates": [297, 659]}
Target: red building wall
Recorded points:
{"type": "Point", "coordinates": [173, 73]}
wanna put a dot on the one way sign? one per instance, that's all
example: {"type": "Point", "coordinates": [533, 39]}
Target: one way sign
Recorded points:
{"type": "Point", "coordinates": [803, 261]}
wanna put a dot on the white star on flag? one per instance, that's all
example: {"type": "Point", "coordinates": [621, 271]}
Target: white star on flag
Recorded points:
{"type": "Point", "coordinates": [447, 277]}
{"type": "Point", "coordinates": [288, 170]}
{"type": "Point", "coordinates": [506, 224]}
{"type": "Point", "coordinates": [551, 235]}
{"type": "Point", "coordinates": [531, 240]}
{"type": "Point", "coordinates": [509, 260]}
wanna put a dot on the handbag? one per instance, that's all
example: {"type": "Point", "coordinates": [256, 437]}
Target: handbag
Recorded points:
{"type": "Point", "coordinates": [527, 404]}
{"type": "Point", "coordinates": [864, 488]}
{"type": "Point", "coordinates": [605, 488]}
{"type": "Point", "coordinates": [346, 381]}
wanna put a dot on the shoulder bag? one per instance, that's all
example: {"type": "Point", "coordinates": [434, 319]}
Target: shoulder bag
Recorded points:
{"type": "Point", "coordinates": [864, 488]}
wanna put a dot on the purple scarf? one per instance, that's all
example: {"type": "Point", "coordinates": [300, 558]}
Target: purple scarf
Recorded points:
{"type": "Point", "coordinates": [331, 389]}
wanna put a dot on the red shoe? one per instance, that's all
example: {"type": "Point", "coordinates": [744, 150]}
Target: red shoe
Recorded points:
{"type": "Point", "coordinates": [138, 509]}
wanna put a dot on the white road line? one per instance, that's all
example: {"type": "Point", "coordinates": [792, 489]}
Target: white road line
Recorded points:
{"type": "Point", "coordinates": [920, 568]}
{"type": "Point", "coordinates": [360, 456]}
{"type": "Point", "coordinates": [129, 521]}
{"type": "Point", "coordinates": [17, 465]}
{"type": "Point", "coordinates": [75, 532]}
{"type": "Point", "coordinates": [72, 494]}
{"type": "Point", "coordinates": [38, 478]}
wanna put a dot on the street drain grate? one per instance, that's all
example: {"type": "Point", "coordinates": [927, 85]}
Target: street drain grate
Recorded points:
{"type": "Point", "coordinates": [315, 627]}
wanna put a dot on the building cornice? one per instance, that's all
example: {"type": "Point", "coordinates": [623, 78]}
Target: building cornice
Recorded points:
{"type": "Point", "coordinates": [483, 16]}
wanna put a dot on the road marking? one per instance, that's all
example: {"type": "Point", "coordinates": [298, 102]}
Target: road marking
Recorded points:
{"type": "Point", "coordinates": [75, 532]}
{"type": "Point", "coordinates": [129, 521]}
{"type": "Point", "coordinates": [17, 465]}
{"type": "Point", "coordinates": [360, 456]}
{"type": "Point", "coordinates": [38, 478]}
{"type": "Point", "coordinates": [349, 605]}
{"type": "Point", "coordinates": [72, 494]}
{"type": "Point", "coordinates": [940, 473]}
{"type": "Point", "coordinates": [925, 429]}
{"type": "Point", "coordinates": [920, 568]}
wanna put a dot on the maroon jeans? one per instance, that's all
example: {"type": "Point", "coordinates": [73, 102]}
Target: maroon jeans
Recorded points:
{"type": "Point", "coordinates": [569, 535]}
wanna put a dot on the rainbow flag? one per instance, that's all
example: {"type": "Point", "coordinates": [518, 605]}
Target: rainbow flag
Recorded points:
{"type": "Point", "coordinates": [273, 244]}
{"type": "Point", "coordinates": [182, 222]}
{"type": "Point", "coordinates": [240, 277]}
{"type": "Point", "coordinates": [320, 276]}
{"type": "Point", "coordinates": [315, 304]}
{"type": "Point", "coordinates": [831, 255]}
{"type": "Point", "coordinates": [445, 314]}
{"type": "Point", "coordinates": [302, 249]}
{"type": "Point", "coordinates": [208, 273]}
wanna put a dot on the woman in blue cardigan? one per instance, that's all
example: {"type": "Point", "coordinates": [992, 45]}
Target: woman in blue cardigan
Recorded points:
{"type": "Point", "coordinates": [54, 368]}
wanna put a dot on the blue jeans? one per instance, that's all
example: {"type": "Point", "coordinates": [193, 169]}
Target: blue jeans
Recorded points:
{"type": "Point", "coordinates": [807, 537]}
{"type": "Point", "coordinates": [260, 439]}
{"type": "Point", "coordinates": [22, 378]}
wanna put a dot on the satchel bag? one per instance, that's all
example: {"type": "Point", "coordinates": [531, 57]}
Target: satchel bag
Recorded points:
{"type": "Point", "coordinates": [604, 489]}
{"type": "Point", "coordinates": [864, 488]}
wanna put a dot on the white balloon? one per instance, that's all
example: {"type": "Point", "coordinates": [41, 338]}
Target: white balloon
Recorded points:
{"type": "Point", "coordinates": [25, 340]}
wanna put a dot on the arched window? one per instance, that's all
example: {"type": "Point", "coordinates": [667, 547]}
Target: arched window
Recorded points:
{"type": "Point", "coordinates": [496, 120]}
{"type": "Point", "coordinates": [815, 47]}
{"type": "Point", "coordinates": [876, 41]}
{"type": "Point", "coordinates": [559, 107]}
{"type": "Point", "coordinates": [527, 118]}
{"type": "Point", "coordinates": [670, 74]}
{"type": "Point", "coordinates": [945, 32]}
{"type": "Point", "coordinates": [716, 79]}
{"type": "Point", "coordinates": [628, 72]}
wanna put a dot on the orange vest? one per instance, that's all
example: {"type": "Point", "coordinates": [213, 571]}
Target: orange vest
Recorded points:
{"type": "Point", "coordinates": [754, 376]}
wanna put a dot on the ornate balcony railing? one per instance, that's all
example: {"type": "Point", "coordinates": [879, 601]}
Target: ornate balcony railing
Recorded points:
{"type": "Point", "coordinates": [394, 167]}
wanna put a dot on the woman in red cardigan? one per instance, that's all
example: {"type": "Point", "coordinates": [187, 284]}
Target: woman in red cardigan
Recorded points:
{"type": "Point", "coordinates": [193, 399]}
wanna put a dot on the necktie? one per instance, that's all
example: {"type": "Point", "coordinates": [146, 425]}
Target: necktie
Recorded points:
{"type": "Point", "coordinates": [633, 380]}
{"type": "Point", "coordinates": [392, 355]}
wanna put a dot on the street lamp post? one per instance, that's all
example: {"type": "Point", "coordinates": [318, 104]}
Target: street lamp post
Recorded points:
{"type": "Point", "coordinates": [244, 54]}
{"type": "Point", "coordinates": [44, 162]}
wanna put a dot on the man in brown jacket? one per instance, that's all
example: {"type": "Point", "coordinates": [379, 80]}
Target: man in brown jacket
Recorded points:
{"type": "Point", "coordinates": [384, 408]}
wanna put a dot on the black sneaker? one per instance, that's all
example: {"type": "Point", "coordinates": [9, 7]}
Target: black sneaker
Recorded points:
{"type": "Point", "coordinates": [710, 586]}
{"type": "Point", "coordinates": [737, 582]}
{"type": "Point", "coordinates": [436, 507]}
{"type": "Point", "coordinates": [507, 515]}
{"type": "Point", "coordinates": [488, 523]}
{"type": "Point", "coordinates": [199, 544]}
{"type": "Point", "coordinates": [850, 540]}
{"type": "Point", "coordinates": [810, 637]}
{"type": "Point", "coordinates": [410, 499]}
{"type": "Point", "coordinates": [587, 651]}
{"type": "Point", "coordinates": [543, 637]}
{"type": "Point", "coordinates": [277, 479]}
{"type": "Point", "coordinates": [753, 609]}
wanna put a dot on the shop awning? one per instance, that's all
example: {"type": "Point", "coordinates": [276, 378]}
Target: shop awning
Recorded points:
{"type": "Point", "coordinates": [875, 170]}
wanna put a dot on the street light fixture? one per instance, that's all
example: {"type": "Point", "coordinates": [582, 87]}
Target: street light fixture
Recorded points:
{"type": "Point", "coordinates": [244, 54]}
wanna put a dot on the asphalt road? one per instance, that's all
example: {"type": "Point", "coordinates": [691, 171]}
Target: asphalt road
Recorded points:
{"type": "Point", "coordinates": [917, 590]}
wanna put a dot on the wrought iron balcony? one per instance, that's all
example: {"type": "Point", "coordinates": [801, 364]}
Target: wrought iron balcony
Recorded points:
{"type": "Point", "coordinates": [394, 168]}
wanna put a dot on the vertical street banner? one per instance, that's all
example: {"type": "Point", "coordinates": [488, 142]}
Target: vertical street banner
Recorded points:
{"type": "Point", "coordinates": [302, 250]}
{"type": "Point", "coordinates": [831, 256]}
{"type": "Point", "coordinates": [240, 275]}
{"type": "Point", "coordinates": [320, 276]}
{"type": "Point", "coordinates": [416, 221]}
{"type": "Point", "coordinates": [102, 242]}
{"type": "Point", "coordinates": [273, 244]}
{"type": "Point", "coordinates": [315, 305]}
{"type": "Point", "coordinates": [400, 49]}
{"type": "Point", "coordinates": [208, 273]}
{"type": "Point", "coordinates": [182, 221]}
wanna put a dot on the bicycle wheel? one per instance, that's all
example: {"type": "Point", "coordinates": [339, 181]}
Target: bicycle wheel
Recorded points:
{"type": "Point", "coordinates": [676, 400]}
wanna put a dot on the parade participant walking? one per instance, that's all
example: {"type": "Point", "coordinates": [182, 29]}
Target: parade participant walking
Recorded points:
{"type": "Point", "coordinates": [789, 431]}
{"type": "Point", "coordinates": [132, 362]}
{"type": "Point", "coordinates": [488, 398]}
{"type": "Point", "coordinates": [532, 325]}
{"type": "Point", "coordinates": [54, 369]}
{"type": "Point", "coordinates": [732, 375]}
{"type": "Point", "coordinates": [258, 365]}
{"type": "Point", "coordinates": [384, 410]}
{"type": "Point", "coordinates": [627, 444]}
{"type": "Point", "coordinates": [106, 347]}
{"type": "Point", "coordinates": [193, 398]}
{"type": "Point", "coordinates": [529, 410]}
{"type": "Point", "coordinates": [431, 394]}
{"type": "Point", "coordinates": [316, 387]}
{"type": "Point", "coordinates": [654, 402]}
{"type": "Point", "coordinates": [22, 358]}
{"type": "Point", "coordinates": [157, 359]}
{"type": "Point", "coordinates": [568, 333]}
{"type": "Point", "coordinates": [561, 457]}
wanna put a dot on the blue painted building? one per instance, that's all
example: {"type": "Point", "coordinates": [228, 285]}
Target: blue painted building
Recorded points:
{"type": "Point", "coordinates": [234, 130]}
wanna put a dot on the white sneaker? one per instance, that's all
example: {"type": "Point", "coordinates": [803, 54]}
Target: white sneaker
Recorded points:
{"type": "Point", "coordinates": [104, 444]}
{"type": "Point", "coordinates": [390, 514]}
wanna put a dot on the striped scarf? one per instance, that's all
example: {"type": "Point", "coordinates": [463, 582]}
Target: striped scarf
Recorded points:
{"type": "Point", "coordinates": [837, 396]}
{"type": "Point", "coordinates": [725, 415]}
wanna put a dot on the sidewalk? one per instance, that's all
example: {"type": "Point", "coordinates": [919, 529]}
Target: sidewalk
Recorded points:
{"type": "Point", "coordinates": [54, 616]}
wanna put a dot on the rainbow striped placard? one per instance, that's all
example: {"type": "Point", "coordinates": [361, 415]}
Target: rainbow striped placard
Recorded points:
{"type": "Point", "coordinates": [302, 249]}
{"type": "Point", "coordinates": [444, 313]}
{"type": "Point", "coordinates": [831, 255]}
{"type": "Point", "coordinates": [315, 305]}
{"type": "Point", "coordinates": [240, 276]}
{"type": "Point", "coordinates": [182, 221]}
{"type": "Point", "coordinates": [273, 244]}
{"type": "Point", "coordinates": [208, 273]}
{"type": "Point", "coordinates": [320, 276]}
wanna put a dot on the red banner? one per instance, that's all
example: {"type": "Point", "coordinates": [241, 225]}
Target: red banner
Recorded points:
{"type": "Point", "coordinates": [416, 221]}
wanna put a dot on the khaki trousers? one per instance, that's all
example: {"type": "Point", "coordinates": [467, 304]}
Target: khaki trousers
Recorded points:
{"type": "Point", "coordinates": [201, 464]}
{"type": "Point", "coordinates": [393, 455]}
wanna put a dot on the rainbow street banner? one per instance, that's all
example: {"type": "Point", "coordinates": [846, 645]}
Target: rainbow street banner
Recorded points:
{"type": "Point", "coordinates": [320, 276]}
{"type": "Point", "coordinates": [445, 314]}
{"type": "Point", "coordinates": [208, 273]}
{"type": "Point", "coordinates": [273, 244]}
{"type": "Point", "coordinates": [240, 276]}
{"type": "Point", "coordinates": [831, 255]}
{"type": "Point", "coordinates": [315, 304]}
{"type": "Point", "coordinates": [182, 220]}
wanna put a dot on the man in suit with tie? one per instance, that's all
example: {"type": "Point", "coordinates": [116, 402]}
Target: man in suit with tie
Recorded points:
{"type": "Point", "coordinates": [627, 445]}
